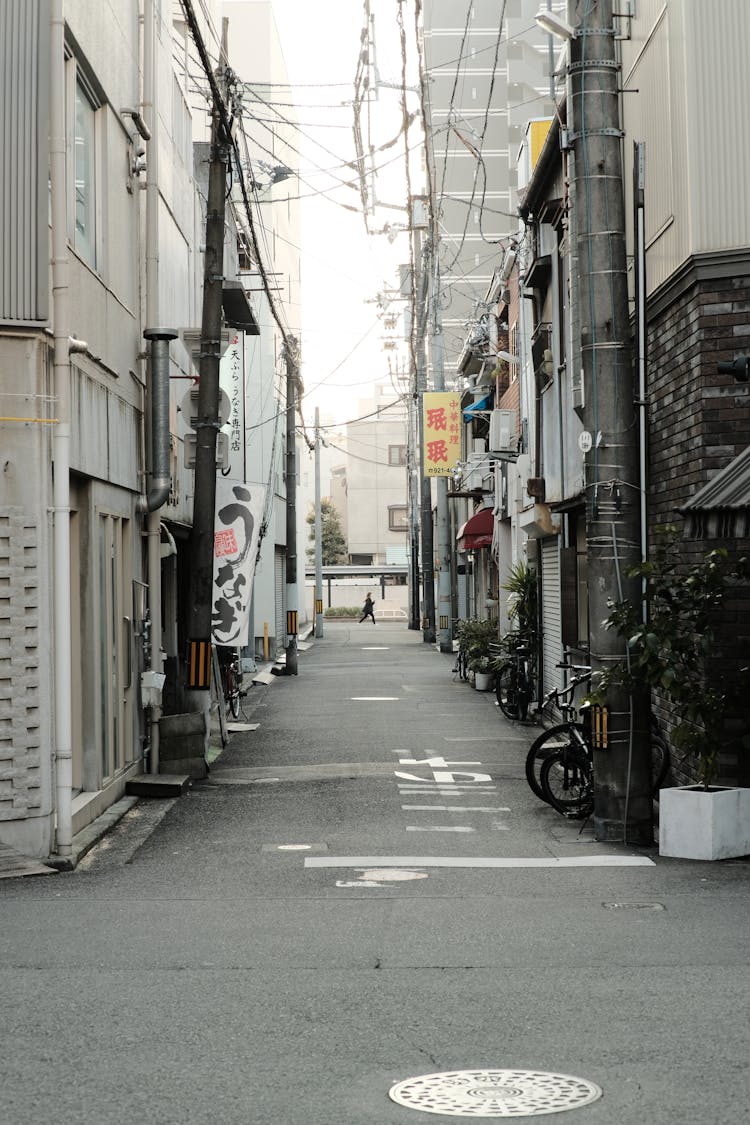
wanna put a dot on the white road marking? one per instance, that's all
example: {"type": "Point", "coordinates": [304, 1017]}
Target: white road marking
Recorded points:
{"type": "Point", "coordinates": [438, 828]}
{"type": "Point", "coordinates": [469, 738]}
{"type": "Point", "coordinates": [456, 808]}
{"type": "Point", "coordinates": [367, 862]}
{"type": "Point", "coordinates": [447, 777]}
{"type": "Point", "coordinates": [373, 698]}
{"type": "Point", "coordinates": [446, 790]}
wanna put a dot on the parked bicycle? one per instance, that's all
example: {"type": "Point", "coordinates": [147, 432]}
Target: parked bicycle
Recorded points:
{"type": "Point", "coordinates": [560, 764]}
{"type": "Point", "coordinates": [514, 681]}
{"type": "Point", "coordinates": [461, 667]}
{"type": "Point", "coordinates": [231, 682]}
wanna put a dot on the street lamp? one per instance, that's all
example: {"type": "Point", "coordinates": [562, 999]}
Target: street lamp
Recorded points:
{"type": "Point", "coordinates": [554, 25]}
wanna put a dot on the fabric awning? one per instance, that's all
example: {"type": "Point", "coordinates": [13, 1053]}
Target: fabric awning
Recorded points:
{"type": "Point", "coordinates": [477, 531]}
{"type": "Point", "coordinates": [476, 407]}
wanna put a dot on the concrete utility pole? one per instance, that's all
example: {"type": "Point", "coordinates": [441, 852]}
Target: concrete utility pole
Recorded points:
{"type": "Point", "coordinates": [207, 423]}
{"type": "Point", "coordinates": [318, 535]}
{"type": "Point", "coordinates": [412, 460]}
{"type": "Point", "coordinates": [445, 553]}
{"type": "Point", "coordinates": [623, 762]}
{"type": "Point", "coordinates": [425, 490]}
{"type": "Point", "coordinates": [292, 608]}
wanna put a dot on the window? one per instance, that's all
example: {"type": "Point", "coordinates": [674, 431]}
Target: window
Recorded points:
{"type": "Point", "coordinates": [396, 454]}
{"type": "Point", "coordinates": [398, 519]}
{"type": "Point", "coordinates": [84, 234]}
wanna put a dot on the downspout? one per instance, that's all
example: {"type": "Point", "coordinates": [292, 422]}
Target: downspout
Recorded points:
{"type": "Point", "coordinates": [158, 383]}
{"type": "Point", "coordinates": [63, 689]}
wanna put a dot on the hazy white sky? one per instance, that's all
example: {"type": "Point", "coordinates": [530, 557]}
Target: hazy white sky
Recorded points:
{"type": "Point", "coordinates": [343, 268]}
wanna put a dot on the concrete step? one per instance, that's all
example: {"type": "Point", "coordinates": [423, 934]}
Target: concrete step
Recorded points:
{"type": "Point", "coordinates": [158, 785]}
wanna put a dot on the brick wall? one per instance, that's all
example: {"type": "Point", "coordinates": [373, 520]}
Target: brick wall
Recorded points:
{"type": "Point", "coordinates": [700, 421]}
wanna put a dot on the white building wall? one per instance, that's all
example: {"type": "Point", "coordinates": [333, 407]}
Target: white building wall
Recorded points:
{"type": "Point", "coordinates": [373, 485]}
{"type": "Point", "coordinates": [694, 162]}
{"type": "Point", "coordinates": [256, 56]}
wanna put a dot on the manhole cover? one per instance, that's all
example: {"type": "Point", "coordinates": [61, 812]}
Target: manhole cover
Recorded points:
{"type": "Point", "coordinates": [494, 1093]}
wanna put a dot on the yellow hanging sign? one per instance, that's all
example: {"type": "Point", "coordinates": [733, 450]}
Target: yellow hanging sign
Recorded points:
{"type": "Point", "coordinates": [441, 447]}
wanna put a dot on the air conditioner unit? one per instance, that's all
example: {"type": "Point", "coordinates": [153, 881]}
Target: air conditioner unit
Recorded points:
{"type": "Point", "coordinates": [503, 431]}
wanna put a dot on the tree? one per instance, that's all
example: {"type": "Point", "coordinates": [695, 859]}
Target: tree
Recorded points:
{"type": "Point", "coordinates": [334, 544]}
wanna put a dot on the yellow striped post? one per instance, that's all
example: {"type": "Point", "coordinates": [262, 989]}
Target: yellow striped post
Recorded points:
{"type": "Point", "coordinates": [199, 665]}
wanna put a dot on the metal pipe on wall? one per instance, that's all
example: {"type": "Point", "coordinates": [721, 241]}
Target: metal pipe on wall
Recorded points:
{"type": "Point", "coordinates": [63, 682]}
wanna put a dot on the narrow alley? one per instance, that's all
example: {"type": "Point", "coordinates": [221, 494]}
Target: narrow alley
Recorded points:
{"type": "Point", "coordinates": [363, 892]}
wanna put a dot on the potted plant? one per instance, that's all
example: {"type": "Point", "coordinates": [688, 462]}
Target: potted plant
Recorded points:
{"type": "Point", "coordinates": [672, 652]}
{"type": "Point", "coordinates": [475, 638]}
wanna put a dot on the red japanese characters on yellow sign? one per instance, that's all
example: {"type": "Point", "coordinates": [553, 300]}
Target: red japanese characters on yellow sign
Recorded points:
{"type": "Point", "coordinates": [441, 448]}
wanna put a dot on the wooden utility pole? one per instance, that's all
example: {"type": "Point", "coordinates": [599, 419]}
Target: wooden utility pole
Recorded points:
{"type": "Point", "coordinates": [207, 423]}
{"type": "Point", "coordinates": [292, 609]}
{"type": "Point", "coordinates": [318, 535]}
{"type": "Point", "coordinates": [622, 767]}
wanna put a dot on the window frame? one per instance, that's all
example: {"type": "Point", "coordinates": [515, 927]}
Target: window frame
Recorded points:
{"type": "Point", "coordinates": [83, 90]}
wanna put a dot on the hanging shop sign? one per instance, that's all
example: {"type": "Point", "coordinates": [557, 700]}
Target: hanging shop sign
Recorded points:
{"type": "Point", "coordinates": [441, 447]}
{"type": "Point", "coordinates": [239, 512]}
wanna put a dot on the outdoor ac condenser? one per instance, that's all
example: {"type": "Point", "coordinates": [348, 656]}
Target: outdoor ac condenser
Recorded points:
{"type": "Point", "coordinates": [503, 437]}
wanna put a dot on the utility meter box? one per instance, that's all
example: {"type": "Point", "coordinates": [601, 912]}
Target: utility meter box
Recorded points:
{"type": "Point", "coordinates": [151, 688]}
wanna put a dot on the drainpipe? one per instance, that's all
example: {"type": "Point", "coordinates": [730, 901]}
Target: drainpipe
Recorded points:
{"type": "Point", "coordinates": [158, 402]}
{"type": "Point", "coordinates": [63, 689]}
{"type": "Point", "coordinates": [149, 504]}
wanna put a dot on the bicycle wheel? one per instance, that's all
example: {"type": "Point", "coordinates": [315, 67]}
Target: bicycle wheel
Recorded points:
{"type": "Point", "coordinates": [567, 781]}
{"type": "Point", "coordinates": [550, 742]}
{"type": "Point", "coordinates": [660, 763]}
{"type": "Point", "coordinates": [506, 690]}
{"type": "Point", "coordinates": [232, 694]}
{"type": "Point", "coordinates": [463, 670]}
{"type": "Point", "coordinates": [525, 692]}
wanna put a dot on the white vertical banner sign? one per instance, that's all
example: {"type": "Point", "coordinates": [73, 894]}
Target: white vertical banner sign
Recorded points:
{"type": "Point", "coordinates": [239, 511]}
{"type": "Point", "coordinates": [232, 382]}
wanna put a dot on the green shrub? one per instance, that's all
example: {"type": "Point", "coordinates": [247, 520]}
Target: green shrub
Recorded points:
{"type": "Point", "coordinates": [343, 611]}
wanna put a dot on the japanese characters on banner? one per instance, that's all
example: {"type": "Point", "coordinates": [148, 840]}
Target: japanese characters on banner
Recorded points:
{"type": "Point", "coordinates": [232, 382]}
{"type": "Point", "coordinates": [441, 450]}
{"type": "Point", "coordinates": [239, 511]}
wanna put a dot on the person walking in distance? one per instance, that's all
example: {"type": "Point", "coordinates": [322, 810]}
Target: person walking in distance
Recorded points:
{"type": "Point", "coordinates": [368, 610]}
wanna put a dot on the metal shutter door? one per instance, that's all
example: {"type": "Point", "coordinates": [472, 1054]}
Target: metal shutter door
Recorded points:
{"type": "Point", "coordinates": [280, 600]}
{"type": "Point", "coordinates": [551, 613]}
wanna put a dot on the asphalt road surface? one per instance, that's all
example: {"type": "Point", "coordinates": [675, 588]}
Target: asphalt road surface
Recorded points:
{"type": "Point", "coordinates": [363, 892]}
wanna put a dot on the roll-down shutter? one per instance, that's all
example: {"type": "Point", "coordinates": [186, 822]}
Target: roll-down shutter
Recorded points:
{"type": "Point", "coordinates": [551, 613]}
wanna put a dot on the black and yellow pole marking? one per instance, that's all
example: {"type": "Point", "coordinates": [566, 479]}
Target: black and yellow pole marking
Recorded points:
{"type": "Point", "coordinates": [443, 622]}
{"type": "Point", "coordinates": [199, 665]}
{"type": "Point", "coordinates": [318, 605]}
{"type": "Point", "coordinates": [599, 731]}
{"type": "Point", "coordinates": [291, 622]}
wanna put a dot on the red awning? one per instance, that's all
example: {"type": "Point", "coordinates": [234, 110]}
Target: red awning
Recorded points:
{"type": "Point", "coordinates": [477, 531]}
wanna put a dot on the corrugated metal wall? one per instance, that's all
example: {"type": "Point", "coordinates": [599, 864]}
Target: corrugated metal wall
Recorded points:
{"type": "Point", "coordinates": [24, 129]}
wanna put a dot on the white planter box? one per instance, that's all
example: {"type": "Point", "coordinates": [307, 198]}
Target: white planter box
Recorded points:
{"type": "Point", "coordinates": [483, 681]}
{"type": "Point", "coordinates": [695, 824]}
